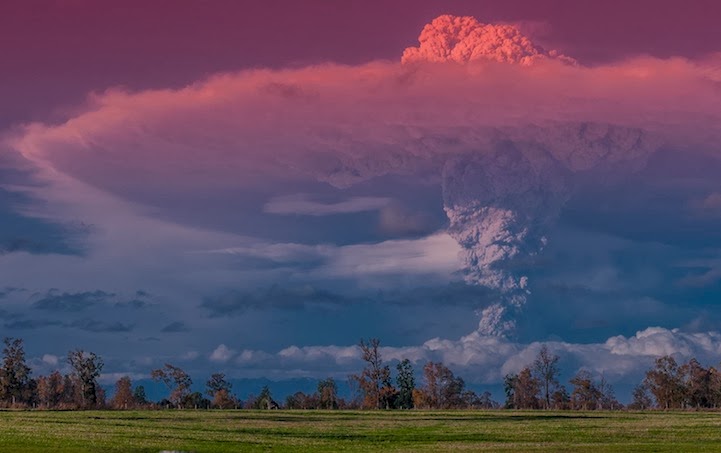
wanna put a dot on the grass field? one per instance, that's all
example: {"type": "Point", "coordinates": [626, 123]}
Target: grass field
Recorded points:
{"type": "Point", "coordinates": [358, 431]}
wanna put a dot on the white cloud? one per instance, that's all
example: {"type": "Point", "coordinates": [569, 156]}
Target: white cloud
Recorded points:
{"type": "Point", "coordinates": [221, 354]}
{"type": "Point", "coordinates": [190, 355]}
{"type": "Point", "coordinates": [437, 254]}
{"type": "Point", "coordinates": [486, 359]}
{"type": "Point", "coordinates": [50, 359]}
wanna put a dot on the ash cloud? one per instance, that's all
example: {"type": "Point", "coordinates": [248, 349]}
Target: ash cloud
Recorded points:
{"type": "Point", "coordinates": [509, 136]}
{"type": "Point", "coordinates": [463, 39]}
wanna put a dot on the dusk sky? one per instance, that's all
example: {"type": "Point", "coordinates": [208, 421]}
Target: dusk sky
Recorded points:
{"type": "Point", "coordinates": [251, 187]}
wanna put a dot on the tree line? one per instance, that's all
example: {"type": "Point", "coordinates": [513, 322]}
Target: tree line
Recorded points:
{"type": "Point", "coordinates": [668, 385]}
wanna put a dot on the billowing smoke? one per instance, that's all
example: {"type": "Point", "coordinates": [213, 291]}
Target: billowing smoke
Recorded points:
{"type": "Point", "coordinates": [464, 39]}
{"type": "Point", "coordinates": [501, 201]}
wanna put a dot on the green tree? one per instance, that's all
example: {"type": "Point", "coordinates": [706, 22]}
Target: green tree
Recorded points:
{"type": "Point", "coordinates": [327, 394]}
{"type": "Point", "coordinates": [406, 384]}
{"type": "Point", "coordinates": [195, 400]}
{"type": "Point", "coordinates": [265, 400]}
{"type": "Point", "coordinates": [509, 388]}
{"type": "Point", "coordinates": [15, 382]}
{"type": "Point", "coordinates": [139, 396]}
{"type": "Point", "coordinates": [86, 369]}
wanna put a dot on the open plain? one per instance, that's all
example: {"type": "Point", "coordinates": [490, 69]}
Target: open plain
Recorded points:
{"type": "Point", "coordinates": [225, 431]}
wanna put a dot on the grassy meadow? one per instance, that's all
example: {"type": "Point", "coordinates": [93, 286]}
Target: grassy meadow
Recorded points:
{"type": "Point", "coordinates": [201, 431]}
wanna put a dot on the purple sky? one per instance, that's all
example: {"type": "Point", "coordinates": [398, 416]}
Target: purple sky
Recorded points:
{"type": "Point", "coordinates": [55, 52]}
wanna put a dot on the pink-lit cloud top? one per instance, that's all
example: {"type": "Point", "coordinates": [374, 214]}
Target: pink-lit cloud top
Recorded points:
{"type": "Point", "coordinates": [463, 39]}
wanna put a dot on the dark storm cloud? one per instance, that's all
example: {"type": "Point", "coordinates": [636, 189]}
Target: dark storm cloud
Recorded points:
{"type": "Point", "coordinates": [455, 294]}
{"type": "Point", "coordinates": [8, 290]}
{"type": "Point", "coordinates": [276, 297]}
{"type": "Point", "coordinates": [93, 325]}
{"type": "Point", "coordinates": [177, 326]}
{"type": "Point", "coordinates": [56, 301]}
{"type": "Point", "coordinates": [31, 324]}
{"type": "Point", "coordinates": [22, 233]}
{"type": "Point", "coordinates": [72, 302]}
{"type": "Point", "coordinates": [136, 304]}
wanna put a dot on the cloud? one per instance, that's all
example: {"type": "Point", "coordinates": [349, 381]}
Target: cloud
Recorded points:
{"type": "Point", "coordinates": [50, 359]}
{"type": "Point", "coordinates": [513, 149]}
{"type": "Point", "coordinates": [177, 326]}
{"type": "Point", "coordinates": [72, 302]}
{"type": "Point", "coordinates": [434, 256]}
{"type": "Point", "coordinates": [709, 206]}
{"type": "Point", "coordinates": [394, 218]}
{"type": "Point", "coordinates": [238, 302]}
{"type": "Point", "coordinates": [221, 354]}
{"type": "Point", "coordinates": [21, 230]}
{"type": "Point", "coordinates": [31, 324]}
{"type": "Point", "coordinates": [507, 160]}
{"type": "Point", "coordinates": [464, 39]}
{"type": "Point", "coordinates": [190, 355]}
{"type": "Point", "coordinates": [8, 290]}
{"type": "Point", "coordinates": [93, 325]}
{"type": "Point", "coordinates": [302, 204]}
{"type": "Point", "coordinates": [486, 359]}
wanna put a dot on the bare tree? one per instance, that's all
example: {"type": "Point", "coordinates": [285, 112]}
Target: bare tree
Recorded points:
{"type": "Point", "coordinates": [441, 389]}
{"type": "Point", "coordinates": [522, 390]}
{"type": "Point", "coordinates": [585, 395]}
{"type": "Point", "coordinates": [123, 398]}
{"type": "Point", "coordinates": [697, 384]}
{"type": "Point", "coordinates": [216, 383]}
{"type": "Point", "coordinates": [545, 368]}
{"type": "Point", "coordinates": [177, 381]}
{"type": "Point", "coordinates": [219, 388]}
{"type": "Point", "coordinates": [50, 390]}
{"type": "Point", "coordinates": [665, 383]}
{"type": "Point", "coordinates": [641, 398]}
{"type": "Point", "coordinates": [375, 379]}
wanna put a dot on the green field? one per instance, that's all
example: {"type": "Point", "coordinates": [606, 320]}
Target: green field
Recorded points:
{"type": "Point", "coordinates": [358, 431]}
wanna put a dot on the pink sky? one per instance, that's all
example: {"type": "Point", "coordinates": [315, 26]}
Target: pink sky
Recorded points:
{"type": "Point", "coordinates": [54, 52]}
